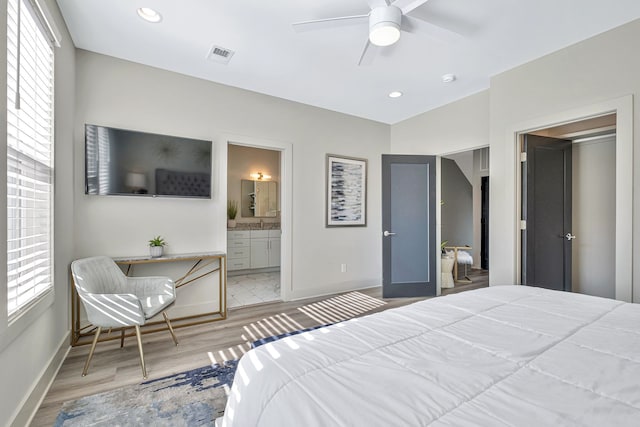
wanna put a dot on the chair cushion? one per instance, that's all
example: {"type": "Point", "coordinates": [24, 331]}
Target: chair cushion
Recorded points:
{"type": "Point", "coordinates": [154, 304]}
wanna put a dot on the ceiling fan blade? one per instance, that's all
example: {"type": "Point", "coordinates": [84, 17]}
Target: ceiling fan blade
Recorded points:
{"type": "Point", "coordinates": [319, 24]}
{"type": "Point", "coordinates": [413, 25]}
{"type": "Point", "coordinates": [407, 6]}
{"type": "Point", "coordinates": [368, 54]}
{"type": "Point", "coordinates": [377, 3]}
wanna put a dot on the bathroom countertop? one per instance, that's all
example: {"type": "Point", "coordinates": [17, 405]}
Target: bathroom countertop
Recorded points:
{"type": "Point", "coordinates": [242, 226]}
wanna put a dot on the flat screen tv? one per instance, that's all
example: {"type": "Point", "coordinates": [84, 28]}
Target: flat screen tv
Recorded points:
{"type": "Point", "coordinates": [127, 162]}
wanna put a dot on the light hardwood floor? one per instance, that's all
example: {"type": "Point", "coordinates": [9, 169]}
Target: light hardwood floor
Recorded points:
{"type": "Point", "coordinates": [113, 367]}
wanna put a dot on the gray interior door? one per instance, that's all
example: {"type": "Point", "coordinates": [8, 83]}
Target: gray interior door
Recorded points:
{"type": "Point", "coordinates": [408, 226]}
{"type": "Point", "coordinates": [547, 239]}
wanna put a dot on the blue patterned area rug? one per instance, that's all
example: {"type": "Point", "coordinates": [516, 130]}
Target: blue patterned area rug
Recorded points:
{"type": "Point", "coordinates": [192, 398]}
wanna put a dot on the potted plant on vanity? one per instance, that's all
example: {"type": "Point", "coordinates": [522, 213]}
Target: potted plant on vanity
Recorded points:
{"type": "Point", "coordinates": [232, 212]}
{"type": "Point", "coordinates": [156, 246]}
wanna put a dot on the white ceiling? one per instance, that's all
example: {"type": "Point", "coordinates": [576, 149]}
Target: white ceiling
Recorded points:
{"type": "Point", "coordinates": [320, 67]}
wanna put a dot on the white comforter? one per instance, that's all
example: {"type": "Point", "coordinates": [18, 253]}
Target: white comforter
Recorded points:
{"type": "Point", "coordinates": [502, 356]}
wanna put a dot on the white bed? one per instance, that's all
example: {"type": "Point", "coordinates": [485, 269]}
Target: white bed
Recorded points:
{"type": "Point", "coordinates": [500, 356]}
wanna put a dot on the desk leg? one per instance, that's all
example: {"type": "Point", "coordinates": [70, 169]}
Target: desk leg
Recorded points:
{"type": "Point", "coordinates": [223, 286]}
{"type": "Point", "coordinates": [75, 313]}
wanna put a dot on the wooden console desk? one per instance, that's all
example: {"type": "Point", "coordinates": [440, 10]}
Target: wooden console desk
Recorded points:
{"type": "Point", "coordinates": [201, 265]}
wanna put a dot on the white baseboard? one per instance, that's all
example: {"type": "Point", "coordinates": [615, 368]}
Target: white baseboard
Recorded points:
{"type": "Point", "coordinates": [333, 292]}
{"type": "Point", "coordinates": [30, 404]}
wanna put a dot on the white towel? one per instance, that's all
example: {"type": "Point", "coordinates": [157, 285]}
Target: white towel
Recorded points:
{"type": "Point", "coordinates": [465, 257]}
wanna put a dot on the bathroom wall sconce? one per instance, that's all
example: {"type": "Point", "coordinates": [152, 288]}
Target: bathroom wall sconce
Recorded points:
{"type": "Point", "coordinates": [260, 176]}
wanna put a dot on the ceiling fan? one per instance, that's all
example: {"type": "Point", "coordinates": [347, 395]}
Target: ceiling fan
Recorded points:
{"type": "Point", "coordinates": [386, 20]}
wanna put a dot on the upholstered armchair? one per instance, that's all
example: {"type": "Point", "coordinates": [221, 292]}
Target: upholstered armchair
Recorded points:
{"type": "Point", "coordinates": [113, 300]}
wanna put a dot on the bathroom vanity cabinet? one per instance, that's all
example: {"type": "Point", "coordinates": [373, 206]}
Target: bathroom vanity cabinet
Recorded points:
{"type": "Point", "coordinates": [248, 249]}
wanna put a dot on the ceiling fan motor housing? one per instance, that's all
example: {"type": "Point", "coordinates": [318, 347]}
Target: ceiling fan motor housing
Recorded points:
{"type": "Point", "coordinates": [384, 25]}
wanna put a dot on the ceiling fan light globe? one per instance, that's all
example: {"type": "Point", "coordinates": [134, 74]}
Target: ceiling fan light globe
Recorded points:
{"type": "Point", "coordinates": [384, 25]}
{"type": "Point", "coordinates": [384, 33]}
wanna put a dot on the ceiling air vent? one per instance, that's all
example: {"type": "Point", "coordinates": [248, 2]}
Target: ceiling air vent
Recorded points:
{"type": "Point", "coordinates": [220, 54]}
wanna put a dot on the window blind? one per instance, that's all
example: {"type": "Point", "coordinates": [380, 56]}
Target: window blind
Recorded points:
{"type": "Point", "coordinates": [30, 64]}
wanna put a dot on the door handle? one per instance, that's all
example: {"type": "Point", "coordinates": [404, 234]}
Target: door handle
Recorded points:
{"type": "Point", "coordinates": [388, 233]}
{"type": "Point", "coordinates": [569, 236]}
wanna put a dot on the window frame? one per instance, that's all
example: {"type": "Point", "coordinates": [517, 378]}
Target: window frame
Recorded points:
{"type": "Point", "coordinates": [11, 326]}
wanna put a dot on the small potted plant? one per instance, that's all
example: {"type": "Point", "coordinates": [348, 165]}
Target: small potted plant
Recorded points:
{"type": "Point", "coordinates": [232, 212]}
{"type": "Point", "coordinates": [443, 251]}
{"type": "Point", "coordinates": [156, 246]}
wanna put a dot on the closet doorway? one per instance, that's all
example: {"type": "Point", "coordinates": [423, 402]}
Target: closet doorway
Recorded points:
{"type": "Point", "coordinates": [464, 206]}
{"type": "Point", "coordinates": [254, 188]}
{"type": "Point", "coordinates": [567, 239]}
{"type": "Point", "coordinates": [622, 237]}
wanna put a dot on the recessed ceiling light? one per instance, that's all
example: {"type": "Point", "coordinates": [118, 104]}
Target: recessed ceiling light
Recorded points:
{"type": "Point", "coordinates": [395, 94]}
{"type": "Point", "coordinates": [149, 15]}
{"type": "Point", "coordinates": [448, 78]}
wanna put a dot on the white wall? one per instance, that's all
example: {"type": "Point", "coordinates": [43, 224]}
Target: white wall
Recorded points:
{"type": "Point", "coordinates": [599, 69]}
{"type": "Point", "coordinates": [32, 348]}
{"type": "Point", "coordinates": [455, 127]}
{"type": "Point", "coordinates": [122, 94]}
{"type": "Point", "coordinates": [594, 220]}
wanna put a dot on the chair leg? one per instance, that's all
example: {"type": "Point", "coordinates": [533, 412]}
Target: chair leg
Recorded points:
{"type": "Point", "coordinates": [93, 347]}
{"type": "Point", "coordinates": [122, 337]}
{"type": "Point", "coordinates": [173, 335]}
{"type": "Point", "coordinates": [144, 370]}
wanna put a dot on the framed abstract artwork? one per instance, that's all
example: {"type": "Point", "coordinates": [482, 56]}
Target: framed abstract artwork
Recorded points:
{"type": "Point", "coordinates": [346, 191]}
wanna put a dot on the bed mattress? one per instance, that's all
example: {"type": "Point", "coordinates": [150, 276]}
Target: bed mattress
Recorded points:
{"type": "Point", "coordinates": [499, 356]}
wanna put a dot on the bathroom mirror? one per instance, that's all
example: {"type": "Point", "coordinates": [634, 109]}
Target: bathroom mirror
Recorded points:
{"type": "Point", "coordinates": [259, 199]}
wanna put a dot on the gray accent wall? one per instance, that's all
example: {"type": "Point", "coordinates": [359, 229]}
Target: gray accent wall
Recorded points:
{"type": "Point", "coordinates": [457, 207]}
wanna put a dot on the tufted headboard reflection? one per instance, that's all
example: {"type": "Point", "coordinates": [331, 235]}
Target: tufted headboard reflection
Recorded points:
{"type": "Point", "coordinates": [186, 184]}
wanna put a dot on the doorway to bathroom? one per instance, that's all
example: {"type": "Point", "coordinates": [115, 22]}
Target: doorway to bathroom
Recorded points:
{"type": "Point", "coordinates": [253, 225]}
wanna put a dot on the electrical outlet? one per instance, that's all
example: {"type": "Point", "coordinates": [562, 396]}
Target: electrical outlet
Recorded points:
{"type": "Point", "coordinates": [343, 268]}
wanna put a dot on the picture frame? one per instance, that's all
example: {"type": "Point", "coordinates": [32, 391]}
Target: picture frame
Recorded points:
{"type": "Point", "coordinates": [346, 198]}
